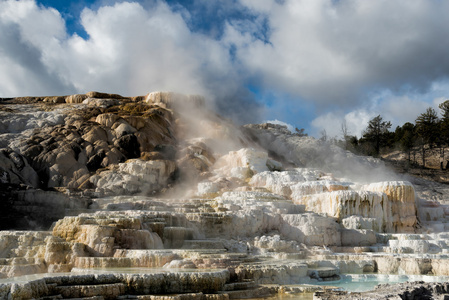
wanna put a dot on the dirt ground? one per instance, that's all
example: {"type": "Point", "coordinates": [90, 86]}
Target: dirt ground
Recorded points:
{"type": "Point", "coordinates": [432, 170]}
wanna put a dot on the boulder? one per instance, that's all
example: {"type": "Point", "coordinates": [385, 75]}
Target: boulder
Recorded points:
{"type": "Point", "coordinates": [128, 145]}
{"type": "Point", "coordinates": [77, 98]}
{"type": "Point", "coordinates": [107, 119]}
{"type": "Point", "coordinates": [14, 169]}
{"type": "Point", "coordinates": [54, 99]}
{"type": "Point", "coordinates": [123, 128]}
{"type": "Point", "coordinates": [95, 133]}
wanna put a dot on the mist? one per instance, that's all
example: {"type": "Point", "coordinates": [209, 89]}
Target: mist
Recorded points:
{"type": "Point", "coordinates": [308, 152]}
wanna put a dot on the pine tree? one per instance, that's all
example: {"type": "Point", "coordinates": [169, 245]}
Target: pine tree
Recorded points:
{"type": "Point", "coordinates": [407, 140]}
{"type": "Point", "coordinates": [377, 133]}
{"type": "Point", "coordinates": [444, 128]}
{"type": "Point", "coordinates": [427, 128]}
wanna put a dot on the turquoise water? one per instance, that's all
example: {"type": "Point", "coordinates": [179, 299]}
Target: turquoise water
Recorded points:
{"type": "Point", "coordinates": [366, 282]}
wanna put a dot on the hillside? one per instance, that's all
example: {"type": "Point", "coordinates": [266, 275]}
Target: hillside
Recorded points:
{"type": "Point", "coordinates": [143, 197]}
{"type": "Point", "coordinates": [399, 162]}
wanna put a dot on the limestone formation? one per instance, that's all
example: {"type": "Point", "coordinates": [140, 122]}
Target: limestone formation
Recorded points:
{"type": "Point", "coordinates": [128, 191]}
{"type": "Point", "coordinates": [401, 198]}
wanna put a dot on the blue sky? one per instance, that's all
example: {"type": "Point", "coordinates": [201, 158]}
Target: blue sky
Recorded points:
{"type": "Point", "coordinates": [310, 63]}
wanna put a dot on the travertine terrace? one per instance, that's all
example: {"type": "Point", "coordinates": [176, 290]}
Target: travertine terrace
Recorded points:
{"type": "Point", "coordinates": [111, 197]}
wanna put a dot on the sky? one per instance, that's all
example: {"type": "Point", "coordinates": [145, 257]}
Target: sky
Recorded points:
{"type": "Point", "coordinates": [314, 64]}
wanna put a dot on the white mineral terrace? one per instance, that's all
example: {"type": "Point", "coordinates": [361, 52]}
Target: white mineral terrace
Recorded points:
{"type": "Point", "coordinates": [248, 229]}
{"type": "Point", "coordinates": [256, 235]}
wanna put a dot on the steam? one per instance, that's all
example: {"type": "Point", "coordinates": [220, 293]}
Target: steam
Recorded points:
{"type": "Point", "coordinates": [203, 136]}
{"type": "Point", "coordinates": [312, 153]}
{"type": "Point", "coordinates": [197, 121]}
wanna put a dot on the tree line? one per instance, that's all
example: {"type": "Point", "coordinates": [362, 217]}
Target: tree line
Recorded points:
{"type": "Point", "coordinates": [429, 131]}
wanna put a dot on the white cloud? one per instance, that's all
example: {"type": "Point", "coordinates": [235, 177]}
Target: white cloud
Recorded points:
{"type": "Point", "coordinates": [402, 109]}
{"type": "Point", "coordinates": [396, 109]}
{"type": "Point", "coordinates": [335, 51]}
{"type": "Point", "coordinates": [330, 122]}
{"type": "Point", "coordinates": [357, 121]}
{"type": "Point", "coordinates": [130, 50]}
{"type": "Point", "coordinates": [135, 51]}
{"type": "Point", "coordinates": [25, 14]}
{"type": "Point", "coordinates": [28, 41]}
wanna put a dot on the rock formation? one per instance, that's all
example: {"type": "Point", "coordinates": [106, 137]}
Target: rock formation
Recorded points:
{"type": "Point", "coordinates": [124, 192]}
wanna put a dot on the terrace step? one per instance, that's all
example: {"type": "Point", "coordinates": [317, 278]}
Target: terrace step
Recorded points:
{"type": "Point", "coordinates": [203, 244]}
{"type": "Point", "coordinates": [107, 291]}
{"type": "Point", "coordinates": [239, 286]}
{"type": "Point", "coordinates": [258, 292]}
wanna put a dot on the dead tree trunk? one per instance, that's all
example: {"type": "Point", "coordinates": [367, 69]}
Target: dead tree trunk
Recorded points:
{"type": "Point", "coordinates": [442, 158]}
{"type": "Point", "coordinates": [423, 156]}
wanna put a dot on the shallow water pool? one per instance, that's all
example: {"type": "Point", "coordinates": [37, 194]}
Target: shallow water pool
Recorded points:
{"type": "Point", "coordinates": [366, 282]}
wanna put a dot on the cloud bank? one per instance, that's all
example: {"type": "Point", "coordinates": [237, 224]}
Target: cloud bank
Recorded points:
{"type": "Point", "coordinates": [334, 51]}
{"type": "Point", "coordinates": [335, 60]}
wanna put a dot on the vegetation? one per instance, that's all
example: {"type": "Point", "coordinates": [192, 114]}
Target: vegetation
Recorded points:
{"type": "Point", "coordinates": [377, 134]}
{"type": "Point", "coordinates": [429, 131]}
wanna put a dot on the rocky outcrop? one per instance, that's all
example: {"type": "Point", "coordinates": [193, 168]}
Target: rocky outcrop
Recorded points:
{"type": "Point", "coordinates": [77, 141]}
{"type": "Point", "coordinates": [401, 197]}
{"type": "Point", "coordinates": [195, 160]}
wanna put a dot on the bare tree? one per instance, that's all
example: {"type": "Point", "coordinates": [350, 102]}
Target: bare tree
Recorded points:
{"type": "Point", "coordinates": [323, 135]}
{"type": "Point", "coordinates": [345, 132]}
